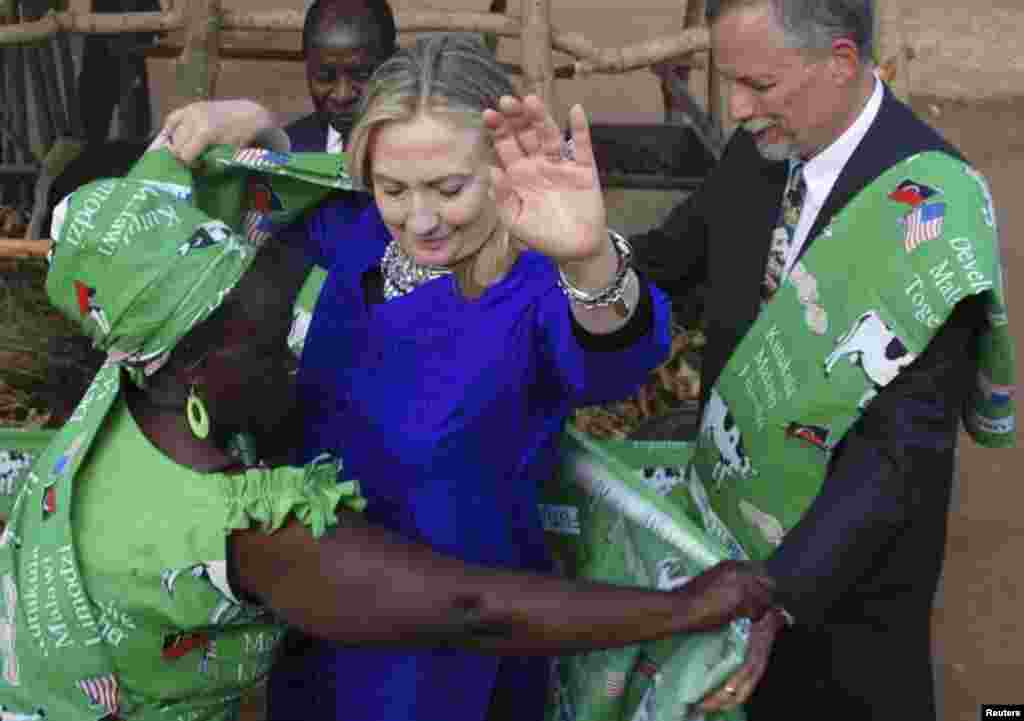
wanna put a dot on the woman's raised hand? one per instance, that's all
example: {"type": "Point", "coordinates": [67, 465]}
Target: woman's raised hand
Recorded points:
{"type": "Point", "coordinates": [190, 130]}
{"type": "Point", "coordinates": [550, 200]}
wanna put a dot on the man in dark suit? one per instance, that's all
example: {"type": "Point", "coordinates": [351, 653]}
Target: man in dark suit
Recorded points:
{"type": "Point", "coordinates": [343, 42]}
{"type": "Point", "coordinates": [858, 572]}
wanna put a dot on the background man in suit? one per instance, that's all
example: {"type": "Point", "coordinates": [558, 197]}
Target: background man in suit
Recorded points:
{"type": "Point", "coordinates": [343, 42]}
{"type": "Point", "coordinates": [859, 571]}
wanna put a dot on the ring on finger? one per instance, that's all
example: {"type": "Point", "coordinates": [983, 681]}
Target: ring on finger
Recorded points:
{"type": "Point", "coordinates": [567, 150]}
{"type": "Point", "coordinates": [730, 690]}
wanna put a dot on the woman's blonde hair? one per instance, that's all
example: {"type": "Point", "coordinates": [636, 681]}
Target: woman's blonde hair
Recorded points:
{"type": "Point", "coordinates": [448, 74]}
{"type": "Point", "coordinates": [452, 74]}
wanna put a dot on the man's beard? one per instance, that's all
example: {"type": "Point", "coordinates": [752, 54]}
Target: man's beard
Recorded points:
{"type": "Point", "coordinates": [770, 151]}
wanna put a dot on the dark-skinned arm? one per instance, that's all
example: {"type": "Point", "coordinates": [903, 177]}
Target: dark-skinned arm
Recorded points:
{"type": "Point", "coordinates": [363, 585]}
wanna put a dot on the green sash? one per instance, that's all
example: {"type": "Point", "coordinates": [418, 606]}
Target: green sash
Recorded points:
{"type": "Point", "coordinates": [859, 307]}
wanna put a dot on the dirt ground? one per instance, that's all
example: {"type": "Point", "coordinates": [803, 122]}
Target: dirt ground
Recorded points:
{"type": "Point", "coordinates": [978, 630]}
{"type": "Point", "coordinates": [979, 637]}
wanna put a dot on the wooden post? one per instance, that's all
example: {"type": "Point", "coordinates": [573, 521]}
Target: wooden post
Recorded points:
{"type": "Point", "coordinates": [538, 67]}
{"type": "Point", "coordinates": [693, 16]}
{"type": "Point", "coordinates": [199, 64]}
{"type": "Point", "coordinates": [498, 7]}
{"type": "Point", "coordinates": [718, 97]}
{"type": "Point", "coordinates": [892, 52]}
{"type": "Point", "coordinates": [20, 248]}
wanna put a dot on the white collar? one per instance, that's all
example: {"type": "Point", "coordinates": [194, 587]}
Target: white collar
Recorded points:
{"type": "Point", "coordinates": [335, 141]}
{"type": "Point", "coordinates": [822, 171]}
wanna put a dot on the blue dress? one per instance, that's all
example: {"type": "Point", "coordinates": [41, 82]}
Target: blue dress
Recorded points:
{"type": "Point", "coordinates": [449, 412]}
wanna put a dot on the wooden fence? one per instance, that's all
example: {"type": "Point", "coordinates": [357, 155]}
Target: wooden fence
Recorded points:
{"type": "Point", "coordinates": [203, 23]}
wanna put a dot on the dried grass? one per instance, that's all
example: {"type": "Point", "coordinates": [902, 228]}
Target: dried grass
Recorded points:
{"type": "Point", "coordinates": [29, 329]}
{"type": "Point", "coordinates": [669, 387]}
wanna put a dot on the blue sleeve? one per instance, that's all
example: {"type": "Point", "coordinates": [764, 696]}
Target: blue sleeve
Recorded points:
{"type": "Point", "coordinates": [601, 369]}
{"type": "Point", "coordinates": [324, 233]}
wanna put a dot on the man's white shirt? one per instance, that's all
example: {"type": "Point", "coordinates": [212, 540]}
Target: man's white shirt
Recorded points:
{"type": "Point", "coordinates": [822, 171]}
{"type": "Point", "coordinates": [335, 141]}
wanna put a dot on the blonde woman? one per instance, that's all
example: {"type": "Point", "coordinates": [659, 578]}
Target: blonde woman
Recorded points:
{"type": "Point", "coordinates": [467, 312]}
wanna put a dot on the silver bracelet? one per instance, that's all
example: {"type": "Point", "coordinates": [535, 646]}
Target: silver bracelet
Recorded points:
{"type": "Point", "coordinates": [611, 293]}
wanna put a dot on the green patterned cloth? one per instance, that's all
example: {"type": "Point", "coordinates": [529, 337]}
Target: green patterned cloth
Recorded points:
{"type": "Point", "coordinates": [113, 560]}
{"type": "Point", "coordinates": [608, 519]}
{"type": "Point", "coordinates": [861, 305]}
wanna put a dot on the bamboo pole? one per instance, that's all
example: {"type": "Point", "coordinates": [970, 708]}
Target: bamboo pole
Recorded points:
{"type": "Point", "coordinates": [88, 23]}
{"type": "Point", "coordinates": [165, 50]}
{"type": "Point", "coordinates": [408, 21]}
{"type": "Point", "coordinates": [697, 79]}
{"type": "Point", "coordinates": [199, 64]}
{"type": "Point", "coordinates": [538, 67]}
{"type": "Point", "coordinates": [892, 51]}
{"type": "Point", "coordinates": [631, 57]}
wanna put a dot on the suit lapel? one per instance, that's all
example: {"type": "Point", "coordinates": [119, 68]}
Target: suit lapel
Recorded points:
{"type": "Point", "coordinates": [893, 136]}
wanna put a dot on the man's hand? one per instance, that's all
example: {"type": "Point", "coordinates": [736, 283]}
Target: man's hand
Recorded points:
{"type": "Point", "coordinates": [728, 590]}
{"type": "Point", "coordinates": [739, 687]}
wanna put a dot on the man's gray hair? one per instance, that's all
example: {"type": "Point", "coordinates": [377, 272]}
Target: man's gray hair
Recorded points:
{"type": "Point", "coordinates": [813, 24]}
{"type": "Point", "coordinates": [453, 74]}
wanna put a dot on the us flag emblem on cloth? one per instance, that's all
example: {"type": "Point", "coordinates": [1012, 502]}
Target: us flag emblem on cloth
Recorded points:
{"type": "Point", "coordinates": [923, 224]}
{"type": "Point", "coordinates": [102, 691]}
{"type": "Point", "coordinates": [258, 227]}
{"type": "Point", "coordinates": [260, 158]}
{"type": "Point", "coordinates": [615, 684]}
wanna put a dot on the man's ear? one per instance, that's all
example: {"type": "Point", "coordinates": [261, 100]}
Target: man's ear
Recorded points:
{"type": "Point", "coordinates": [845, 61]}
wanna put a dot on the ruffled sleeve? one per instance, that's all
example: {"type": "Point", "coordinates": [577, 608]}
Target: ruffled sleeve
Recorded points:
{"type": "Point", "coordinates": [264, 498]}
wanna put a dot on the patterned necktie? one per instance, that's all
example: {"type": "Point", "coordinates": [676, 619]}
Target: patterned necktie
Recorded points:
{"type": "Point", "coordinates": [782, 236]}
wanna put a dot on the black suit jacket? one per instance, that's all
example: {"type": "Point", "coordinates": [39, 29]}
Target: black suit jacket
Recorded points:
{"type": "Point", "coordinates": [859, 571]}
{"type": "Point", "coordinates": [307, 134]}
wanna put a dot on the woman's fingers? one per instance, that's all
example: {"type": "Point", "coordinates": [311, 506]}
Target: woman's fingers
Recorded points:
{"type": "Point", "coordinates": [523, 128]}
{"type": "Point", "coordinates": [583, 147]}
{"type": "Point", "coordinates": [548, 135]}
{"type": "Point", "coordinates": [506, 121]}
{"type": "Point", "coordinates": [508, 203]}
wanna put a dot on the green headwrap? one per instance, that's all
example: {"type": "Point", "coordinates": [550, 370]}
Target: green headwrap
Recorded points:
{"type": "Point", "coordinates": [138, 264]}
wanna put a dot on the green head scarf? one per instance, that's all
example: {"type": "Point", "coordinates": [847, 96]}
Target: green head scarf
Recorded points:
{"type": "Point", "coordinates": [137, 262]}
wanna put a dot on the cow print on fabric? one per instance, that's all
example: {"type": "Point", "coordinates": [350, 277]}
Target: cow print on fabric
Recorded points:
{"type": "Point", "coordinates": [12, 465]}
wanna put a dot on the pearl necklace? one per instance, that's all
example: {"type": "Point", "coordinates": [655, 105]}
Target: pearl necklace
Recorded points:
{"type": "Point", "coordinates": [402, 274]}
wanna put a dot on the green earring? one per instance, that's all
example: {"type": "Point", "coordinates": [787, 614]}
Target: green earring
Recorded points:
{"type": "Point", "coordinates": [198, 418]}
